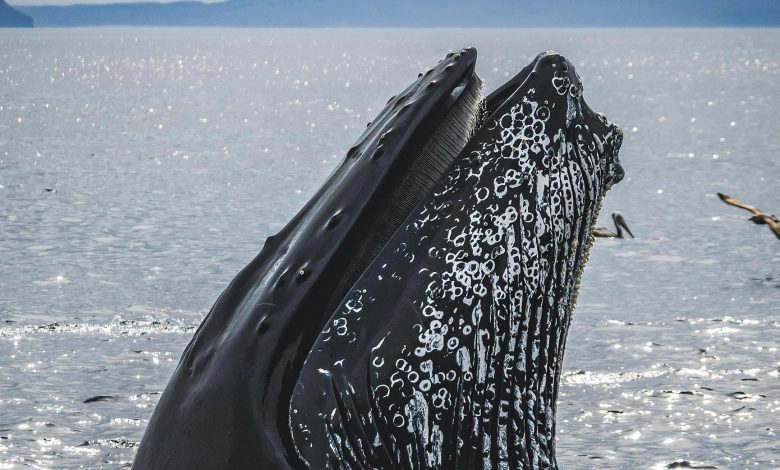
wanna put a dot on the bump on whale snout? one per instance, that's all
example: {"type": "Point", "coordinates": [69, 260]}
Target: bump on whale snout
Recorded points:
{"type": "Point", "coordinates": [551, 65]}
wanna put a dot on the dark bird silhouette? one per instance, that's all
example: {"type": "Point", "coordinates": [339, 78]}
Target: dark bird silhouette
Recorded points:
{"type": "Point", "coordinates": [759, 217]}
{"type": "Point", "coordinates": [763, 219]}
{"type": "Point", "coordinates": [620, 224]}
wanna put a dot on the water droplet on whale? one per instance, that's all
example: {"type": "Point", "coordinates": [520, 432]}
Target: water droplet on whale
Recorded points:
{"type": "Point", "coordinates": [302, 274]}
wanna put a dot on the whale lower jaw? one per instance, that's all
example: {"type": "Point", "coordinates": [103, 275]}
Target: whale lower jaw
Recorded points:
{"type": "Point", "coordinates": [447, 352]}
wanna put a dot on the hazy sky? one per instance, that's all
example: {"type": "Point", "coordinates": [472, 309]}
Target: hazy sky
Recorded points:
{"type": "Point", "coordinates": [485, 12]}
{"type": "Point", "coordinates": [71, 2]}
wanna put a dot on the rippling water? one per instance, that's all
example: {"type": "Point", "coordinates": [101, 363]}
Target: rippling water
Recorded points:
{"type": "Point", "coordinates": [141, 169]}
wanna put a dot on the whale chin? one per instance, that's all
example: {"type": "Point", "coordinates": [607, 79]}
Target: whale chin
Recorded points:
{"type": "Point", "coordinates": [414, 312]}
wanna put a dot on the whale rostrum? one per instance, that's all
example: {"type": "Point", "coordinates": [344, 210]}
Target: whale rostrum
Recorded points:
{"type": "Point", "coordinates": [414, 313]}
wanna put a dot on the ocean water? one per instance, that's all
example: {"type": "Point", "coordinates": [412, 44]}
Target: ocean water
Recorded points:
{"type": "Point", "coordinates": [140, 169]}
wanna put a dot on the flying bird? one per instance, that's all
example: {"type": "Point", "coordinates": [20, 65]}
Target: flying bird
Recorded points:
{"type": "Point", "coordinates": [620, 224]}
{"type": "Point", "coordinates": [759, 217]}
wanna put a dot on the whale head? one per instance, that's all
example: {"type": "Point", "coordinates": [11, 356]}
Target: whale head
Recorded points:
{"type": "Point", "coordinates": [414, 312]}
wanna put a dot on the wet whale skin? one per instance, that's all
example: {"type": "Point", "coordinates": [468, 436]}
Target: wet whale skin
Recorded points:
{"type": "Point", "coordinates": [447, 352]}
{"type": "Point", "coordinates": [227, 403]}
{"type": "Point", "coordinates": [425, 328]}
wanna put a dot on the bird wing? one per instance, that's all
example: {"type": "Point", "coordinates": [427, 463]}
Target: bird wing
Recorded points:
{"type": "Point", "coordinates": [774, 226]}
{"type": "Point", "coordinates": [737, 203]}
{"type": "Point", "coordinates": [603, 232]}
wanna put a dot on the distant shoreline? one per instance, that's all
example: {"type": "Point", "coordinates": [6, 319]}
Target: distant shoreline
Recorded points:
{"type": "Point", "coordinates": [13, 18]}
{"type": "Point", "coordinates": [410, 14]}
{"type": "Point", "coordinates": [394, 28]}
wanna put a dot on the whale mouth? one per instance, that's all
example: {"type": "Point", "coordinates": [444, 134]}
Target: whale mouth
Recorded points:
{"type": "Point", "coordinates": [240, 370]}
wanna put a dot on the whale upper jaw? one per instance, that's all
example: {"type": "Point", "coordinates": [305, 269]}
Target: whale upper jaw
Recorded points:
{"type": "Point", "coordinates": [226, 405]}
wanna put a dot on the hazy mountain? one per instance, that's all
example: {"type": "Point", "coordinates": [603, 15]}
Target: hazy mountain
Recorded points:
{"type": "Point", "coordinates": [10, 18]}
{"type": "Point", "coordinates": [505, 13]}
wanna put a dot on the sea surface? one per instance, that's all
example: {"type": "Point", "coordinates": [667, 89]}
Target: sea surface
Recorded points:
{"type": "Point", "coordinates": [140, 169]}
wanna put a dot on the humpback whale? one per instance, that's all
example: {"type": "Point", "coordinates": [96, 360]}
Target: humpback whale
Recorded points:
{"type": "Point", "coordinates": [414, 313]}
